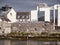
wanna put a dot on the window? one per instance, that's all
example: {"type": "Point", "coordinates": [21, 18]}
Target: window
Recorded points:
{"type": "Point", "coordinates": [41, 15]}
{"type": "Point", "coordinates": [23, 17]}
{"type": "Point", "coordinates": [56, 16]}
{"type": "Point", "coordinates": [27, 17]}
{"type": "Point", "coordinates": [0, 27]}
{"type": "Point", "coordinates": [56, 13]}
{"type": "Point", "coordinates": [52, 15]}
{"type": "Point", "coordinates": [18, 16]}
{"type": "Point", "coordinates": [11, 14]}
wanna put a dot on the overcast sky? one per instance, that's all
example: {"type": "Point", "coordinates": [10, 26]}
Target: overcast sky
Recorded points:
{"type": "Point", "coordinates": [26, 5]}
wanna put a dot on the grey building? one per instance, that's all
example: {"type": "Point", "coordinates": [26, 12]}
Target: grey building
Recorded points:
{"type": "Point", "coordinates": [23, 16]}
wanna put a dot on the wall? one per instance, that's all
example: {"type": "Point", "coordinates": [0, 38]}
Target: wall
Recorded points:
{"type": "Point", "coordinates": [34, 27]}
{"type": "Point", "coordinates": [58, 16]}
{"type": "Point", "coordinates": [47, 13]}
{"type": "Point", "coordinates": [34, 15]}
{"type": "Point", "coordinates": [5, 27]}
{"type": "Point", "coordinates": [12, 15]}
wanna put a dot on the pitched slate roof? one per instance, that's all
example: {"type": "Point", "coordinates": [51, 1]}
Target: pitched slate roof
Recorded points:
{"type": "Point", "coordinates": [4, 10]}
{"type": "Point", "coordinates": [22, 14]}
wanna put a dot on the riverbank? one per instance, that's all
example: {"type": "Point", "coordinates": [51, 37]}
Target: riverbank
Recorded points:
{"type": "Point", "coordinates": [44, 36]}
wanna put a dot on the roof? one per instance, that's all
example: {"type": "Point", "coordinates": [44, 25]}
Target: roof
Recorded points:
{"type": "Point", "coordinates": [20, 14]}
{"type": "Point", "coordinates": [4, 10]}
{"type": "Point", "coordinates": [23, 13]}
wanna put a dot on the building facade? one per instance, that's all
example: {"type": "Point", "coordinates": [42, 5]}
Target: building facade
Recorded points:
{"type": "Point", "coordinates": [23, 17]}
{"type": "Point", "coordinates": [8, 12]}
{"type": "Point", "coordinates": [34, 15]}
{"type": "Point", "coordinates": [47, 14]}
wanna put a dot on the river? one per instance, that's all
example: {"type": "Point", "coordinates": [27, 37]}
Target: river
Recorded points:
{"type": "Point", "coordinates": [28, 42]}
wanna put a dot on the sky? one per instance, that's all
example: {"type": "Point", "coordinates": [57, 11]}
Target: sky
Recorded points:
{"type": "Point", "coordinates": [26, 5]}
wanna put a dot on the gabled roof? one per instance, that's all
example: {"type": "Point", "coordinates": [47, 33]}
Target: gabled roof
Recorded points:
{"type": "Point", "coordinates": [5, 10]}
{"type": "Point", "coordinates": [3, 13]}
{"type": "Point", "coordinates": [20, 14]}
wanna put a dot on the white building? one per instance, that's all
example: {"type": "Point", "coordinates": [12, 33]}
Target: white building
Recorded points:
{"type": "Point", "coordinates": [34, 15]}
{"type": "Point", "coordinates": [43, 11]}
{"type": "Point", "coordinates": [8, 12]}
{"type": "Point", "coordinates": [46, 13]}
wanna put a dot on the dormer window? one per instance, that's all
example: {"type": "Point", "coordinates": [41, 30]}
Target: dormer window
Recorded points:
{"type": "Point", "coordinates": [18, 16]}
{"type": "Point", "coordinates": [23, 17]}
{"type": "Point", "coordinates": [27, 17]}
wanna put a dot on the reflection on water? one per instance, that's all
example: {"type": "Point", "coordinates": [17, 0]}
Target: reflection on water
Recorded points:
{"type": "Point", "coordinates": [28, 42]}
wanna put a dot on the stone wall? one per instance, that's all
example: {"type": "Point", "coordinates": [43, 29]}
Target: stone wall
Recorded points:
{"type": "Point", "coordinates": [31, 27]}
{"type": "Point", "coordinates": [5, 27]}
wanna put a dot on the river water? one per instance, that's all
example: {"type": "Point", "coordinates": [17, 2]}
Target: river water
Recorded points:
{"type": "Point", "coordinates": [28, 42]}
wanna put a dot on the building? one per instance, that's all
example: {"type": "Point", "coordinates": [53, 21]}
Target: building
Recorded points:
{"type": "Point", "coordinates": [8, 12]}
{"type": "Point", "coordinates": [34, 15]}
{"type": "Point", "coordinates": [23, 16]}
{"type": "Point", "coordinates": [47, 14]}
{"type": "Point", "coordinates": [43, 12]}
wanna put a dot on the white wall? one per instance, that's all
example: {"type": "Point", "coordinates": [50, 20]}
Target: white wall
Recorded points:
{"type": "Point", "coordinates": [47, 13]}
{"type": "Point", "coordinates": [13, 16]}
{"type": "Point", "coordinates": [34, 15]}
{"type": "Point", "coordinates": [58, 16]}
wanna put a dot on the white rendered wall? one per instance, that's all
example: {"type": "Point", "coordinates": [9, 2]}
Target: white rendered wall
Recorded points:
{"type": "Point", "coordinates": [47, 13]}
{"type": "Point", "coordinates": [13, 16]}
{"type": "Point", "coordinates": [34, 15]}
{"type": "Point", "coordinates": [58, 16]}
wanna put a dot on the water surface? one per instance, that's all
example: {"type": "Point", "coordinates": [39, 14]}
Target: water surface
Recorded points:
{"type": "Point", "coordinates": [28, 42]}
